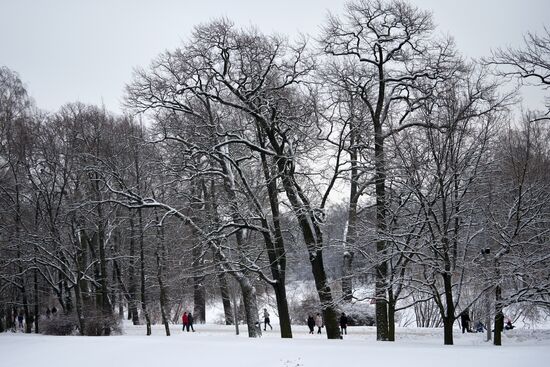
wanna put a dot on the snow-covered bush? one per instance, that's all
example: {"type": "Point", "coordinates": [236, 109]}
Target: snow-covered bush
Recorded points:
{"type": "Point", "coordinates": [59, 325]}
{"type": "Point", "coordinates": [67, 324]}
{"type": "Point", "coordinates": [359, 314]}
{"type": "Point", "coordinates": [300, 309]}
{"type": "Point", "coordinates": [97, 324]}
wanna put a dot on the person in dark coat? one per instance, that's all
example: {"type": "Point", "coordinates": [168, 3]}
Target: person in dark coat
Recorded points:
{"type": "Point", "coordinates": [508, 325]}
{"type": "Point", "coordinates": [190, 322]}
{"type": "Point", "coordinates": [343, 324]}
{"type": "Point", "coordinates": [20, 320]}
{"type": "Point", "coordinates": [480, 327]}
{"type": "Point", "coordinates": [465, 321]}
{"type": "Point", "coordinates": [311, 323]}
{"type": "Point", "coordinates": [185, 321]}
{"type": "Point", "coordinates": [266, 320]}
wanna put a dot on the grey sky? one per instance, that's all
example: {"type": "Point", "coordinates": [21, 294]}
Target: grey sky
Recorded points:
{"type": "Point", "coordinates": [69, 50]}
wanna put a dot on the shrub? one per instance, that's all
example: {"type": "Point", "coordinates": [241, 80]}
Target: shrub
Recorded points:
{"type": "Point", "coordinates": [359, 314]}
{"type": "Point", "coordinates": [299, 310]}
{"type": "Point", "coordinates": [97, 324]}
{"type": "Point", "coordinates": [60, 325]}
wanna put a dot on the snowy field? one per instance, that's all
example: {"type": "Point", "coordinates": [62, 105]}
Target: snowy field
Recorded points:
{"type": "Point", "coordinates": [215, 345]}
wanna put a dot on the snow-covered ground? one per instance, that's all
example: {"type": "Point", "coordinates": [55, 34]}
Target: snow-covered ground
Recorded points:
{"type": "Point", "coordinates": [216, 345]}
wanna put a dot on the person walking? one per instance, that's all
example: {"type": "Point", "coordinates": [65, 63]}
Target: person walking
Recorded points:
{"type": "Point", "coordinates": [465, 321]}
{"type": "Point", "coordinates": [480, 327]}
{"type": "Point", "coordinates": [185, 321]}
{"type": "Point", "coordinates": [266, 319]}
{"type": "Point", "coordinates": [318, 322]}
{"type": "Point", "coordinates": [20, 320]}
{"type": "Point", "coordinates": [343, 324]}
{"type": "Point", "coordinates": [190, 322]}
{"type": "Point", "coordinates": [311, 323]}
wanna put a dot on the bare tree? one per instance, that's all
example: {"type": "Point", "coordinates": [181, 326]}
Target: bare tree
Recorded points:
{"type": "Point", "coordinates": [400, 62]}
{"type": "Point", "coordinates": [518, 220]}
{"type": "Point", "coordinates": [530, 64]}
{"type": "Point", "coordinates": [443, 166]}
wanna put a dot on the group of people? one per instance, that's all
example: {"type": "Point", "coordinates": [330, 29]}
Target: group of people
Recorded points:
{"type": "Point", "coordinates": [187, 321]}
{"type": "Point", "coordinates": [313, 322]}
{"type": "Point", "coordinates": [478, 327]}
{"type": "Point", "coordinates": [51, 313]}
{"type": "Point", "coordinates": [317, 321]}
{"type": "Point", "coordinates": [19, 320]}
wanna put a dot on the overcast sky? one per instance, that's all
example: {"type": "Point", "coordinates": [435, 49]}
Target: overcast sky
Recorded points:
{"type": "Point", "coordinates": [76, 50]}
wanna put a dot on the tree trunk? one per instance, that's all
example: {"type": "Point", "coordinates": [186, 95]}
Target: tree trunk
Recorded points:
{"type": "Point", "coordinates": [325, 296]}
{"type": "Point", "coordinates": [163, 296]}
{"type": "Point", "coordinates": [448, 323]}
{"type": "Point", "coordinates": [79, 308]}
{"type": "Point", "coordinates": [106, 306]}
{"type": "Point", "coordinates": [28, 325]}
{"type": "Point", "coordinates": [82, 261]}
{"type": "Point", "coordinates": [235, 313]}
{"type": "Point", "coordinates": [142, 271]}
{"type": "Point", "coordinates": [488, 316]}
{"type": "Point", "coordinates": [313, 239]}
{"type": "Point", "coordinates": [391, 319]}
{"type": "Point", "coordinates": [276, 249]}
{"type": "Point", "coordinates": [250, 306]}
{"type": "Point", "coordinates": [351, 233]}
{"type": "Point", "coordinates": [499, 316]}
{"type": "Point", "coordinates": [132, 279]}
{"type": "Point", "coordinates": [2, 317]}
{"type": "Point", "coordinates": [199, 294]}
{"type": "Point", "coordinates": [22, 280]}
{"type": "Point", "coordinates": [381, 267]}
{"type": "Point", "coordinates": [449, 318]}
{"type": "Point", "coordinates": [161, 261]}
{"type": "Point", "coordinates": [247, 288]}
{"type": "Point", "coordinates": [36, 300]}
{"type": "Point", "coordinates": [226, 300]}
{"type": "Point", "coordinates": [282, 308]}
{"type": "Point", "coordinates": [23, 289]}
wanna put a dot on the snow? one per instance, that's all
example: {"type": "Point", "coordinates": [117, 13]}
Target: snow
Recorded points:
{"type": "Point", "coordinates": [217, 345]}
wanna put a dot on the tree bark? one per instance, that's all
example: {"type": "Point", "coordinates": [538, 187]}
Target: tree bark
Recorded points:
{"type": "Point", "coordinates": [499, 316]}
{"type": "Point", "coordinates": [132, 279]}
{"type": "Point", "coordinates": [449, 318]}
{"type": "Point", "coordinates": [36, 300]}
{"type": "Point", "coordinates": [142, 272]}
{"type": "Point", "coordinates": [276, 250]}
{"type": "Point", "coordinates": [347, 263]}
{"type": "Point", "coordinates": [391, 318]}
{"type": "Point", "coordinates": [381, 267]}
{"type": "Point", "coordinates": [250, 306]}
{"type": "Point", "coordinates": [448, 323]}
{"type": "Point", "coordinates": [163, 296]}
{"type": "Point", "coordinates": [226, 299]}
{"type": "Point", "coordinates": [313, 239]}
{"type": "Point", "coordinates": [199, 293]}
{"type": "Point", "coordinates": [106, 306]}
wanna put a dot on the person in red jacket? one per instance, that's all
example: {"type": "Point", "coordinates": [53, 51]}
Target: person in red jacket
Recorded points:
{"type": "Point", "coordinates": [185, 321]}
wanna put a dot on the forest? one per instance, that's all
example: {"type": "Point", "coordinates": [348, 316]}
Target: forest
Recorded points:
{"type": "Point", "coordinates": [371, 160]}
